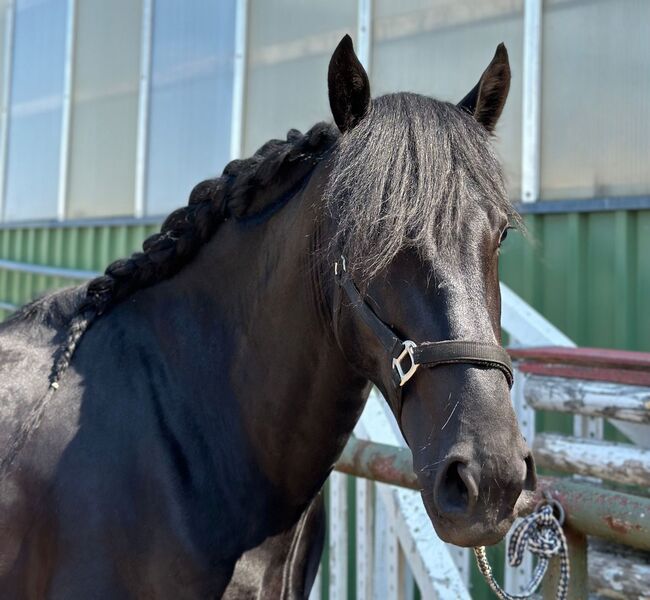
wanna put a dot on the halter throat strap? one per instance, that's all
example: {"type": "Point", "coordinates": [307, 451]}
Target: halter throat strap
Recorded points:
{"type": "Point", "coordinates": [407, 356]}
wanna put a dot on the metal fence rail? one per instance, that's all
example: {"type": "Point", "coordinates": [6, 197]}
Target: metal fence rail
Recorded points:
{"type": "Point", "coordinates": [590, 510]}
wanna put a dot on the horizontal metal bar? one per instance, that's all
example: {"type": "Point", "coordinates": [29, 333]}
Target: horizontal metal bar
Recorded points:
{"type": "Point", "coordinates": [607, 204]}
{"type": "Point", "coordinates": [613, 516]}
{"type": "Point", "coordinates": [7, 306]}
{"type": "Point", "coordinates": [586, 357]}
{"type": "Point", "coordinates": [588, 398]}
{"type": "Point", "coordinates": [623, 463]}
{"type": "Point", "coordinates": [10, 265]}
{"type": "Point", "coordinates": [72, 223]}
{"type": "Point", "coordinates": [540, 207]}
{"type": "Point", "coordinates": [379, 462]}
{"type": "Point", "coordinates": [591, 510]}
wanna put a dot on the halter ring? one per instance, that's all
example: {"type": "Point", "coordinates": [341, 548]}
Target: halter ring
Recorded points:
{"type": "Point", "coordinates": [404, 376]}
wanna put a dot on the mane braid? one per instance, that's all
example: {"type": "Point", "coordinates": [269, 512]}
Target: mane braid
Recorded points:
{"type": "Point", "coordinates": [244, 190]}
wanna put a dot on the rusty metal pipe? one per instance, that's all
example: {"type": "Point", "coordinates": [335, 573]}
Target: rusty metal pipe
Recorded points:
{"type": "Point", "coordinates": [590, 510]}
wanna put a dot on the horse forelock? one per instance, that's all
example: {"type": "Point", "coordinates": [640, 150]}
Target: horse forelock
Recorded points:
{"type": "Point", "coordinates": [411, 173]}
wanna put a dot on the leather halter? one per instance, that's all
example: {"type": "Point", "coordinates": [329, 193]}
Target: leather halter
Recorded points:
{"type": "Point", "coordinates": [426, 354]}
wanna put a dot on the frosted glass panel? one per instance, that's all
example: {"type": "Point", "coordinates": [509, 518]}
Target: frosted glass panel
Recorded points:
{"type": "Point", "coordinates": [596, 99]}
{"type": "Point", "coordinates": [3, 26]}
{"type": "Point", "coordinates": [290, 44]}
{"type": "Point", "coordinates": [35, 109]}
{"type": "Point", "coordinates": [103, 136]}
{"type": "Point", "coordinates": [191, 98]}
{"type": "Point", "coordinates": [440, 48]}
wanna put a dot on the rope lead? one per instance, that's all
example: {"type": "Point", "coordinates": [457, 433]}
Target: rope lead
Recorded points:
{"type": "Point", "coordinates": [541, 533]}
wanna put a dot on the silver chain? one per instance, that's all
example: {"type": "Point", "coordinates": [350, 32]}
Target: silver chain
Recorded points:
{"type": "Point", "coordinates": [541, 533]}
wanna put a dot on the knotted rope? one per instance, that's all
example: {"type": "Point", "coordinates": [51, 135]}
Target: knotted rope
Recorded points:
{"type": "Point", "coordinates": [541, 533]}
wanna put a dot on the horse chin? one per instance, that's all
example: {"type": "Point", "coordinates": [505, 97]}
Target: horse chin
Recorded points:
{"type": "Point", "coordinates": [469, 532]}
{"type": "Point", "coordinates": [470, 535]}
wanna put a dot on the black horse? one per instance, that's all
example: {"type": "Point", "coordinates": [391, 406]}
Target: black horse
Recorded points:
{"type": "Point", "coordinates": [187, 406]}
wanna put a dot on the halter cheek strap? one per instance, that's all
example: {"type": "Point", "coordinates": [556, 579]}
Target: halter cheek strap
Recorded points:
{"type": "Point", "coordinates": [407, 356]}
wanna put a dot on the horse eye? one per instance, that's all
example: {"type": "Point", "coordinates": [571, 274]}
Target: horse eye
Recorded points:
{"type": "Point", "coordinates": [504, 235]}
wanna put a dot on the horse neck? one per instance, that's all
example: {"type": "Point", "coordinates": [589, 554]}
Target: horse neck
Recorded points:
{"type": "Point", "coordinates": [265, 343]}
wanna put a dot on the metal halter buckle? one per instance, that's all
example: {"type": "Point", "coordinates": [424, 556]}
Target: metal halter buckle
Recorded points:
{"type": "Point", "coordinates": [340, 266]}
{"type": "Point", "coordinates": [409, 346]}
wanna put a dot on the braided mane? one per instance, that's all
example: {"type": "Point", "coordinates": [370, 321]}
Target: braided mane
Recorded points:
{"type": "Point", "coordinates": [245, 188]}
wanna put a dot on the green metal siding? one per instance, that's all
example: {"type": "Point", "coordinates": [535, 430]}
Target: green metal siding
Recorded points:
{"type": "Point", "coordinates": [587, 273]}
{"type": "Point", "coordinates": [88, 248]}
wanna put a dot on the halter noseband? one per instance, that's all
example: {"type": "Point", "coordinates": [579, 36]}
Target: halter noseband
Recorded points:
{"type": "Point", "coordinates": [426, 354]}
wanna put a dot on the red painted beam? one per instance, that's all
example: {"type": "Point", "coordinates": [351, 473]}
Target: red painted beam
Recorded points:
{"type": "Point", "coordinates": [597, 364]}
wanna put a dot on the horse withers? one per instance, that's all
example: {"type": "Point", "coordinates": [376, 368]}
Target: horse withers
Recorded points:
{"type": "Point", "coordinates": [185, 408]}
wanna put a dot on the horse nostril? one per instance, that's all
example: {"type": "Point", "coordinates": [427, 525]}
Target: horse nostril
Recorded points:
{"type": "Point", "coordinates": [457, 490]}
{"type": "Point", "coordinates": [530, 482]}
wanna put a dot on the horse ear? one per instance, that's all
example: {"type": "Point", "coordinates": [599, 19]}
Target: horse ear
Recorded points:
{"type": "Point", "coordinates": [348, 85]}
{"type": "Point", "coordinates": [486, 100]}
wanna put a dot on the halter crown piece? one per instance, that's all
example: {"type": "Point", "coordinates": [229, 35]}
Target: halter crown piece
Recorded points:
{"type": "Point", "coordinates": [406, 356]}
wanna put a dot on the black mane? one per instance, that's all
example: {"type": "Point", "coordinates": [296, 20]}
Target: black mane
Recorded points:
{"type": "Point", "coordinates": [246, 188]}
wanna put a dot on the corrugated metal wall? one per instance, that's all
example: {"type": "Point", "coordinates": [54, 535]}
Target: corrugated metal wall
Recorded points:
{"type": "Point", "coordinates": [588, 273]}
{"type": "Point", "coordinates": [73, 247]}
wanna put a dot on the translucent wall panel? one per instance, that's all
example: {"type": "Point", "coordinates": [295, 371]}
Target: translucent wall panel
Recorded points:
{"type": "Point", "coordinates": [440, 48]}
{"type": "Point", "coordinates": [596, 98]}
{"type": "Point", "coordinates": [3, 28]}
{"type": "Point", "coordinates": [290, 43]}
{"type": "Point", "coordinates": [35, 109]}
{"type": "Point", "coordinates": [101, 175]}
{"type": "Point", "coordinates": [191, 98]}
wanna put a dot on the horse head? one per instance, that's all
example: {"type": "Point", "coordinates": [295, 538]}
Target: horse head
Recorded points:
{"type": "Point", "coordinates": [418, 211]}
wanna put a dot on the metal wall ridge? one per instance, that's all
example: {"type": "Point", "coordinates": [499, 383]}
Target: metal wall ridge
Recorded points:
{"type": "Point", "coordinates": [75, 223]}
{"type": "Point", "coordinates": [541, 207]}
{"type": "Point", "coordinates": [587, 205]}
{"type": "Point", "coordinates": [12, 265]}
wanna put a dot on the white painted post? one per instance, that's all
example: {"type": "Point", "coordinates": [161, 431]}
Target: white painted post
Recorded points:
{"type": "Point", "coordinates": [364, 33]}
{"type": "Point", "coordinates": [526, 325]}
{"type": "Point", "coordinates": [7, 69]}
{"type": "Point", "coordinates": [315, 593]}
{"type": "Point", "coordinates": [338, 543]}
{"type": "Point", "coordinates": [516, 580]}
{"type": "Point", "coordinates": [239, 80]}
{"type": "Point", "coordinates": [461, 558]}
{"type": "Point", "coordinates": [364, 549]}
{"type": "Point", "coordinates": [392, 573]}
{"type": "Point", "coordinates": [406, 580]}
{"type": "Point", "coordinates": [531, 101]}
{"type": "Point", "coordinates": [381, 554]}
{"type": "Point", "coordinates": [144, 91]}
{"type": "Point", "coordinates": [64, 148]}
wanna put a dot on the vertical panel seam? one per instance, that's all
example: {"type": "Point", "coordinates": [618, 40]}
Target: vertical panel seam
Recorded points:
{"type": "Point", "coordinates": [144, 90]}
{"type": "Point", "coordinates": [531, 101]}
{"type": "Point", "coordinates": [7, 74]}
{"type": "Point", "coordinates": [364, 33]}
{"type": "Point", "coordinates": [239, 79]}
{"type": "Point", "coordinates": [68, 74]}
